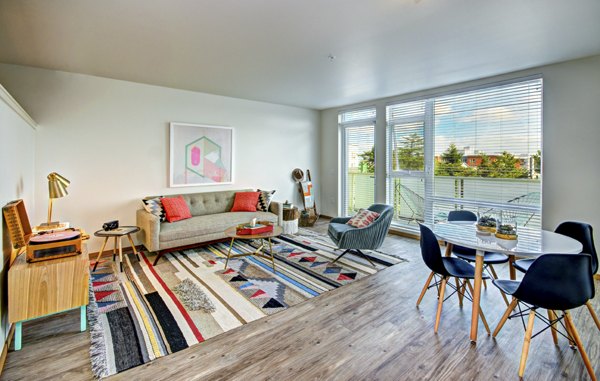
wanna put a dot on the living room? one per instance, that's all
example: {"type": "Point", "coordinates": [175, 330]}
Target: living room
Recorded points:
{"type": "Point", "coordinates": [91, 89]}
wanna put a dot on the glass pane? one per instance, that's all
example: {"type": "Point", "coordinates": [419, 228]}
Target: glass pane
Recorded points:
{"type": "Point", "coordinates": [407, 197]}
{"type": "Point", "coordinates": [407, 146]}
{"type": "Point", "coordinates": [359, 187]}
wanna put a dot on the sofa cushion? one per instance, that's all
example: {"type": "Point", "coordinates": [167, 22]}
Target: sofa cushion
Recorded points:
{"type": "Point", "coordinates": [245, 202]}
{"type": "Point", "coordinates": [210, 202]}
{"type": "Point", "coordinates": [336, 230]}
{"type": "Point", "coordinates": [363, 218]}
{"type": "Point", "coordinates": [154, 206]}
{"type": "Point", "coordinates": [176, 208]}
{"type": "Point", "coordinates": [209, 224]}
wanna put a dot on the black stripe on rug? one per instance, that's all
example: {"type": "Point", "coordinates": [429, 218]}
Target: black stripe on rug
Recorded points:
{"type": "Point", "coordinates": [167, 322]}
{"type": "Point", "coordinates": [125, 342]}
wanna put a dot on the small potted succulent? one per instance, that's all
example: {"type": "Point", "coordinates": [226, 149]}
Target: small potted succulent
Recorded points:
{"type": "Point", "coordinates": [506, 236]}
{"type": "Point", "coordinates": [486, 224]}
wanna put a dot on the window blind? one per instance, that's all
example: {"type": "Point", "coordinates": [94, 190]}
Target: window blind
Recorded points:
{"type": "Point", "coordinates": [481, 151]}
{"type": "Point", "coordinates": [358, 131]}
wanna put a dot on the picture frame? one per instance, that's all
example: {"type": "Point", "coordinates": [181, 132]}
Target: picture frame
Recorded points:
{"type": "Point", "coordinates": [200, 154]}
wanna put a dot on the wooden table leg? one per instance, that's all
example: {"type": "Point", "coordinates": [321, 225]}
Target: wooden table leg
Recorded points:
{"type": "Point", "coordinates": [114, 248]}
{"type": "Point", "coordinates": [448, 249]}
{"type": "Point", "coordinates": [476, 295]}
{"type": "Point", "coordinates": [121, 255]}
{"type": "Point", "coordinates": [229, 253]}
{"type": "Point", "coordinates": [133, 247]}
{"type": "Point", "coordinates": [511, 267]}
{"type": "Point", "coordinates": [100, 253]}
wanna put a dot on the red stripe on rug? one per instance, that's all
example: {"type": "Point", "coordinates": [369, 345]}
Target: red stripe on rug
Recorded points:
{"type": "Point", "coordinates": [186, 316]}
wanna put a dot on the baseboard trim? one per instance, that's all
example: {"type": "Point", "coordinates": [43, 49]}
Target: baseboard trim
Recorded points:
{"type": "Point", "coordinates": [4, 354]}
{"type": "Point", "coordinates": [402, 233]}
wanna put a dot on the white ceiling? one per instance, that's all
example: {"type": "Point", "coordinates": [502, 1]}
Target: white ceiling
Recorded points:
{"type": "Point", "coordinates": [277, 50]}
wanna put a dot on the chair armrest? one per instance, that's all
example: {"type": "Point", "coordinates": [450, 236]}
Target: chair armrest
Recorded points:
{"type": "Point", "coordinates": [340, 220]}
{"type": "Point", "coordinates": [149, 225]}
{"type": "Point", "coordinates": [277, 208]}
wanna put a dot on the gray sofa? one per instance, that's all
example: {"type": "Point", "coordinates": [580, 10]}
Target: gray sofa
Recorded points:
{"type": "Point", "coordinates": [210, 217]}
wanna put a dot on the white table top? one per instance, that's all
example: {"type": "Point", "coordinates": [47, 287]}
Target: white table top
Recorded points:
{"type": "Point", "coordinates": [531, 242]}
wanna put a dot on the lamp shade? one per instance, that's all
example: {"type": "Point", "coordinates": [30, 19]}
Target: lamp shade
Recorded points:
{"type": "Point", "coordinates": [57, 185]}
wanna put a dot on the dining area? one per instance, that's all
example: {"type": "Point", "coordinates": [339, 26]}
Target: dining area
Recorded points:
{"type": "Point", "coordinates": [545, 276]}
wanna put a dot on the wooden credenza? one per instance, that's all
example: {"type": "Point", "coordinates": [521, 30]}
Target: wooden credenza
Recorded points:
{"type": "Point", "coordinates": [48, 287]}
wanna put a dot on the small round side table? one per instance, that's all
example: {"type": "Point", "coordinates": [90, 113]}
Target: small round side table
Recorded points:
{"type": "Point", "coordinates": [290, 220]}
{"type": "Point", "coordinates": [117, 234]}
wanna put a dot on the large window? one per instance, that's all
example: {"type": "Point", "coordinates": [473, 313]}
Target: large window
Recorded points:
{"type": "Point", "coordinates": [478, 150]}
{"type": "Point", "coordinates": [358, 150]}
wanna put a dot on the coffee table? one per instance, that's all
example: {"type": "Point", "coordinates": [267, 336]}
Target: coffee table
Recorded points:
{"type": "Point", "coordinates": [232, 233]}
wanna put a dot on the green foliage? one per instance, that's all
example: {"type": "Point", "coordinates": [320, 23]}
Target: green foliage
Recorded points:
{"type": "Point", "coordinates": [505, 166]}
{"type": "Point", "coordinates": [367, 163]}
{"type": "Point", "coordinates": [451, 164]}
{"type": "Point", "coordinates": [486, 166]}
{"type": "Point", "coordinates": [537, 162]}
{"type": "Point", "coordinates": [411, 155]}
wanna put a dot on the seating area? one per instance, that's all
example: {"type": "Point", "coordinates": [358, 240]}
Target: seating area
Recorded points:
{"type": "Point", "coordinates": [278, 190]}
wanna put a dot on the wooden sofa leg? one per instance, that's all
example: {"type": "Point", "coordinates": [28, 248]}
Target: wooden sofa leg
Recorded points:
{"type": "Point", "coordinates": [160, 254]}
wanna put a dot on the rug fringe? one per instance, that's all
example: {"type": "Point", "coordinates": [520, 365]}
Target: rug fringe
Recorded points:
{"type": "Point", "coordinates": [98, 345]}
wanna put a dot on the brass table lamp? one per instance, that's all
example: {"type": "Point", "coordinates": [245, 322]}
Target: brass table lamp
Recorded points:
{"type": "Point", "coordinates": [57, 188]}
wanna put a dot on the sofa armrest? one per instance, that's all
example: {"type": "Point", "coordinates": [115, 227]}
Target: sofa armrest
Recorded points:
{"type": "Point", "coordinates": [149, 225]}
{"type": "Point", "coordinates": [340, 220]}
{"type": "Point", "coordinates": [277, 208]}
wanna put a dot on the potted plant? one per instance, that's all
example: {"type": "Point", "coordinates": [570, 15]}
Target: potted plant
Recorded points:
{"type": "Point", "coordinates": [506, 236]}
{"type": "Point", "coordinates": [486, 224]}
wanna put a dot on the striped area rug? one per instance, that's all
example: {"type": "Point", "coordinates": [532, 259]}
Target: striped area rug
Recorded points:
{"type": "Point", "coordinates": [139, 314]}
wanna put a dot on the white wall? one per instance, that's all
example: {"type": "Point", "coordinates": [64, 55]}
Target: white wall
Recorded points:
{"type": "Point", "coordinates": [110, 138]}
{"type": "Point", "coordinates": [571, 142]}
{"type": "Point", "coordinates": [17, 142]}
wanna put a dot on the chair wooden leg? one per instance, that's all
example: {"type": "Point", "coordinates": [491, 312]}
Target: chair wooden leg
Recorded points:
{"type": "Point", "coordinates": [507, 313]}
{"type": "Point", "coordinates": [484, 284]}
{"type": "Point", "coordinates": [572, 343]}
{"type": "Point", "coordinates": [440, 303]}
{"type": "Point", "coordinates": [481, 315]}
{"type": "Point", "coordinates": [459, 291]}
{"type": "Point", "coordinates": [425, 287]}
{"type": "Point", "coordinates": [593, 313]}
{"type": "Point", "coordinates": [552, 317]}
{"type": "Point", "coordinates": [526, 343]}
{"type": "Point", "coordinates": [577, 339]}
{"type": "Point", "coordinates": [493, 271]}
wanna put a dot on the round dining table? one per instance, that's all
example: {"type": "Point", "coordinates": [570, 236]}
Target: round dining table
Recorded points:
{"type": "Point", "coordinates": [531, 243]}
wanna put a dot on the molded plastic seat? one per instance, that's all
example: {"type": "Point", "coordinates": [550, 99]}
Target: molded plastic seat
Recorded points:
{"type": "Point", "coordinates": [555, 282]}
{"type": "Point", "coordinates": [460, 269]}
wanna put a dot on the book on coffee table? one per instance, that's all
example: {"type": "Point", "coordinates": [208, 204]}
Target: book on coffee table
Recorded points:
{"type": "Point", "coordinates": [247, 229]}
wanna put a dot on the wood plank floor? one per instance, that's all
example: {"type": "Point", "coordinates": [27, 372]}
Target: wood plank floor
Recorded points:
{"type": "Point", "coordinates": [370, 329]}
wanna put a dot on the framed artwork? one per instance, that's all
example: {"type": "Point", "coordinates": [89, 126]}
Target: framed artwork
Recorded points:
{"type": "Point", "coordinates": [200, 155]}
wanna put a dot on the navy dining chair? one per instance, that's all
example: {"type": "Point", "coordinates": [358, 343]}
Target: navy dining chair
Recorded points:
{"type": "Point", "coordinates": [444, 268]}
{"type": "Point", "coordinates": [556, 282]}
{"type": "Point", "coordinates": [583, 233]}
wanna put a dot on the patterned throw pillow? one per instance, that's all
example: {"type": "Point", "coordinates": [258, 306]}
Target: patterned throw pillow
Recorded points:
{"type": "Point", "coordinates": [363, 218]}
{"type": "Point", "coordinates": [264, 200]}
{"type": "Point", "coordinates": [154, 206]}
{"type": "Point", "coordinates": [176, 208]}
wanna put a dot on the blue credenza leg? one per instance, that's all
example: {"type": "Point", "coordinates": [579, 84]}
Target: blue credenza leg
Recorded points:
{"type": "Point", "coordinates": [83, 314]}
{"type": "Point", "coordinates": [18, 333]}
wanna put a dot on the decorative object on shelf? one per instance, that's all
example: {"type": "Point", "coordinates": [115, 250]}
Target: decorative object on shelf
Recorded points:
{"type": "Point", "coordinates": [57, 188]}
{"type": "Point", "coordinates": [110, 225]}
{"type": "Point", "coordinates": [200, 155]}
{"type": "Point", "coordinates": [287, 205]}
{"type": "Point", "coordinates": [52, 245]}
{"type": "Point", "coordinates": [486, 224]}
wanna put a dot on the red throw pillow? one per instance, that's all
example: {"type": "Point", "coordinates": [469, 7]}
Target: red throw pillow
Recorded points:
{"type": "Point", "coordinates": [176, 208]}
{"type": "Point", "coordinates": [363, 218]}
{"type": "Point", "coordinates": [245, 202]}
